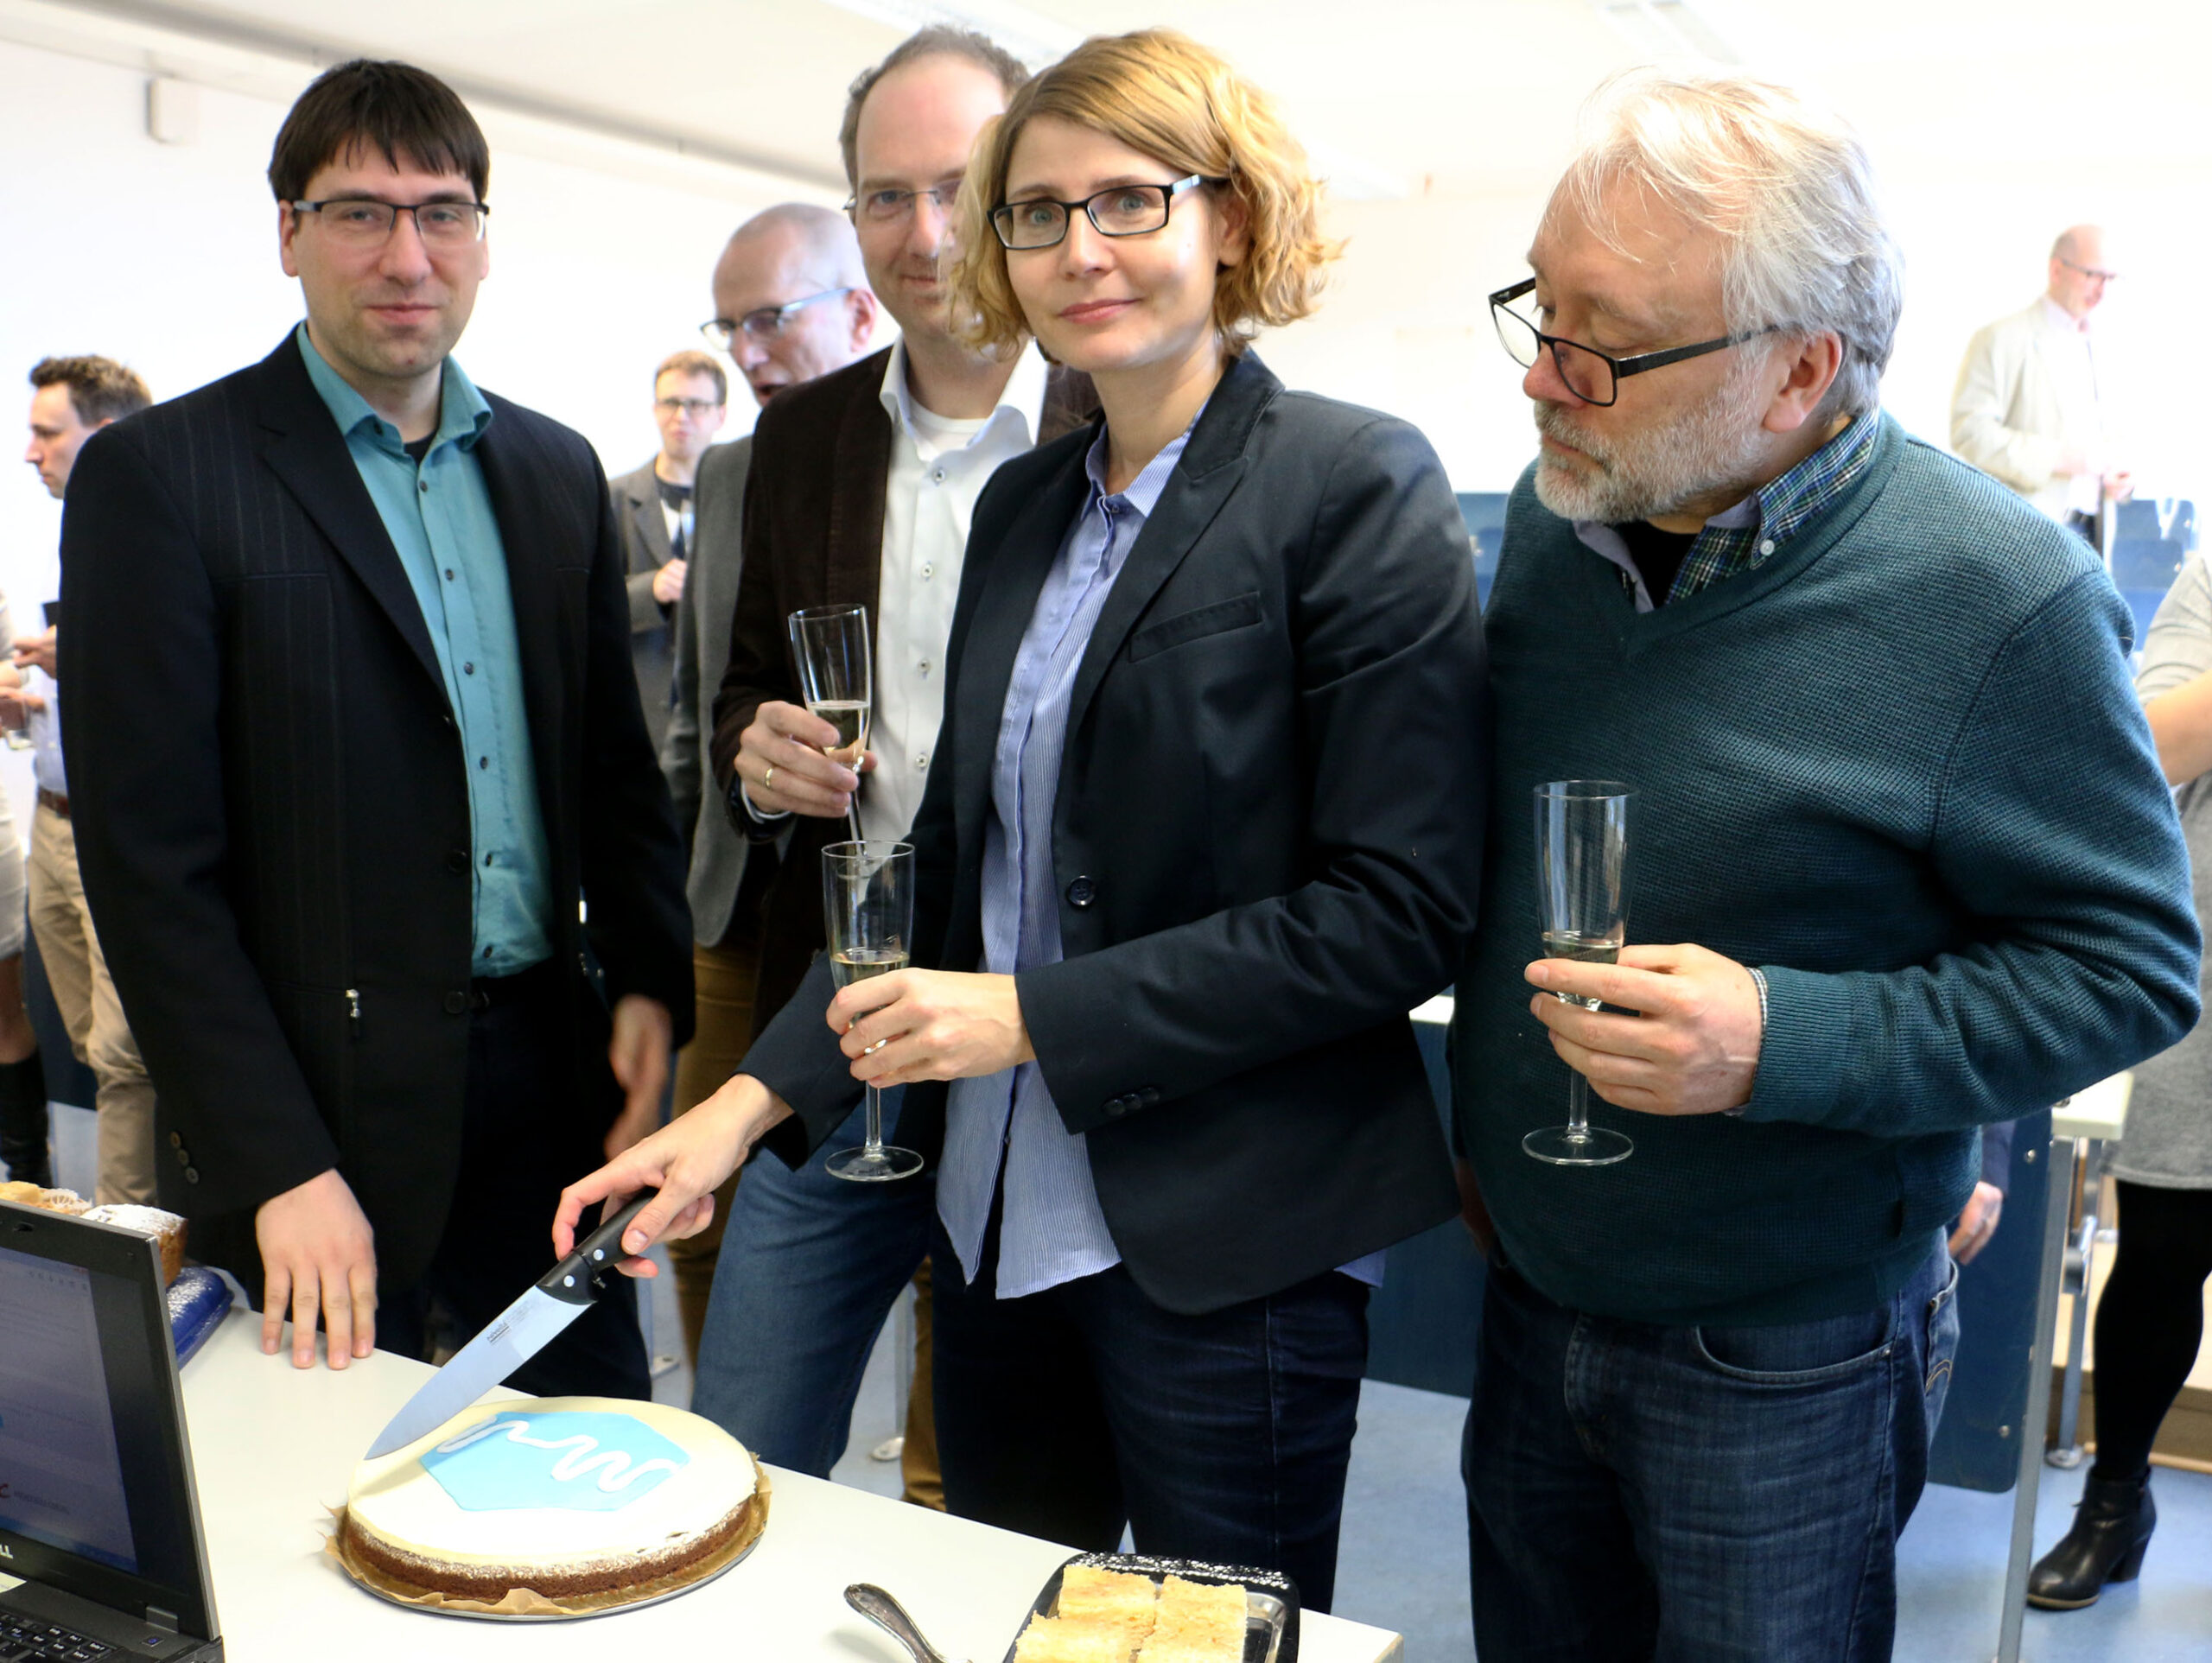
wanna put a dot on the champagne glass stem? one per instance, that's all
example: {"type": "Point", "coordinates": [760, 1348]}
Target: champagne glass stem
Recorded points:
{"type": "Point", "coordinates": [853, 816]}
{"type": "Point", "coordinates": [875, 1120]}
{"type": "Point", "coordinates": [1578, 1095]}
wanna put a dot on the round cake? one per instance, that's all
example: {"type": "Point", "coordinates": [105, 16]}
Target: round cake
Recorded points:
{"type": "Point", "coordinates": [587, 1503]}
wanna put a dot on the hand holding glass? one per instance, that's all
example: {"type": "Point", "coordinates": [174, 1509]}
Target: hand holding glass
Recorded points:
{"type": "Point", "coordinates": [1582, 895]}
{"type": "Point", "coordinates": [868, 907]}
{"type": "Point", "coordinates": [836, 679]}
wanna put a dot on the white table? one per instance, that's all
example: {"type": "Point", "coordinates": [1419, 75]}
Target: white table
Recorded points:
{"type": "Point", "coordinates": [274, 1447]}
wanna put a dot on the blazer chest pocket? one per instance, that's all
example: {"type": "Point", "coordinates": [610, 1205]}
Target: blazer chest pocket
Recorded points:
{"type": "Point", "coordinates": [1239, 612]}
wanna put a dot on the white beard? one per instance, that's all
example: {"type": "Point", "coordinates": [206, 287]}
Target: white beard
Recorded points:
{"type": "Point", "coordinates": [1709, 451]}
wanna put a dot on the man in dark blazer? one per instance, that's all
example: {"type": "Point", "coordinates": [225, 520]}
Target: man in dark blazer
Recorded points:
{"type": "Point", "coordinates": [782, 255]}
{"type": "Point", "coordinates": [653, 505]}
{"type": "Point", "coordinates": [352, 731]}
{"type": "Point", "coordinates": [859, 491]}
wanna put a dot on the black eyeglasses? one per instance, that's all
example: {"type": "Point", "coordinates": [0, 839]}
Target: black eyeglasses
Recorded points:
{"type": "Point", "coordinates": [1124, 210]}
{"type": "Point", "coordinates": [366, 222]}
{"type": "Point", "coordinates": [2087, 270]}
{"type": "Point", "coordinates": [762, 323]}
{"type": "Point", "coordinates": [688, 406]}
{"type": "Point", "coordinates": [1591, 376]}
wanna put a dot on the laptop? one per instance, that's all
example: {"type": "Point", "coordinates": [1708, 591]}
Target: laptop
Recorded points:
{"type": "Point", "coordinates": [101, 1556]}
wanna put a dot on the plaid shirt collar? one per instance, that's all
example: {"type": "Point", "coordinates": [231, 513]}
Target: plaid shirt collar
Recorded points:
{"type": "Point", "coordinates": [1741, 538]}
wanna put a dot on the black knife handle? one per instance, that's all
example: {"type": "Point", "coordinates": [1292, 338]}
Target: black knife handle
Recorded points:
{"type": "Point", "coordinates": [574, 1279]}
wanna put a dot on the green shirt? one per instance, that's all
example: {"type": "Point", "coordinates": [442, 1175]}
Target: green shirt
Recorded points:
{"type": "Point", "coordinates": [439, 516]}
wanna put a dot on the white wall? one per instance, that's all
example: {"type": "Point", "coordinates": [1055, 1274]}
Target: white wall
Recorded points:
{"type": "Point", "coordinates": [165, 257]}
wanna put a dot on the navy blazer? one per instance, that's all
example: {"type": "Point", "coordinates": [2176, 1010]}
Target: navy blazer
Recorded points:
{"type": "Point", "coordinates": [271, 804]}
{"type": "Point", "coordinates": [1268, 832]}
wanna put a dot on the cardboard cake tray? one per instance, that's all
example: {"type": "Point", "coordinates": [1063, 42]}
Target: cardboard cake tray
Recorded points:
{"type": "Point", "coordinates": [1270, 1598]}
{"type": "Point", "coordinates": [527, 1605]}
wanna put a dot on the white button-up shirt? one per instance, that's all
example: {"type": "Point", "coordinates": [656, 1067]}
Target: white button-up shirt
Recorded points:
{"type": "Point", "coordinates": [2073, 377]}
{"type": "Point", "coordinates": [938, 468]}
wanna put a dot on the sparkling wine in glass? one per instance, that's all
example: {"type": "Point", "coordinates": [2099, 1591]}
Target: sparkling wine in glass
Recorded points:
{"type": "Point", "coordinates": [1582, 896]}
{"type": "Point", "coordinates": [868, 905]}
{"type": "Point", "coordinates": [837, 678]}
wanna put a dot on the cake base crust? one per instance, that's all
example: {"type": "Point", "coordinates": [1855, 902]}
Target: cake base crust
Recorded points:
{"type": "Point", "coordinates": [385, 1574]}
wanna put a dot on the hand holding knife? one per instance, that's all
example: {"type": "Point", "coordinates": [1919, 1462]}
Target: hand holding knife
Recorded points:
{"type": "Point", "coordinates": [518, 1333]}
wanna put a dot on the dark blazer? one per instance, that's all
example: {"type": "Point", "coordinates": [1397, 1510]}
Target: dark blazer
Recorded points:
{"type": "Point", "coordinates": [272, 811]}
{"type": "Point", "coordinates": [1268, 836]}
{"type": "Point", "coordinates": [814, 538]}
{"type": "Point", "coordinates": [646, 549]}
{"type": "Point", "coordinates": [719, 850]}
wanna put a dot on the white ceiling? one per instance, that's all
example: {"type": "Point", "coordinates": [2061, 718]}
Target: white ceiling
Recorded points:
{"type": "Point", "coordinates": [1450, 97]}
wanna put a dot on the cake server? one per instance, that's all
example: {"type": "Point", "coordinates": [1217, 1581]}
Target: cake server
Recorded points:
{"type": "Point", "coordinates": [517, 1335]}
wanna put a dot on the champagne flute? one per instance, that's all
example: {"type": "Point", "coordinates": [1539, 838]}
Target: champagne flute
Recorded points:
{"type": "Point", "coordinates": [868, 903]}
{"type": "Point", "coordinates": [836, 679]}
{"type": "Point", "coordinates": [1582, 893]}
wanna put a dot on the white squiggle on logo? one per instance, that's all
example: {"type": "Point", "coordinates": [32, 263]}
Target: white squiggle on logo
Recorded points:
{"type": "Point", "coordinates": [579, 1463]}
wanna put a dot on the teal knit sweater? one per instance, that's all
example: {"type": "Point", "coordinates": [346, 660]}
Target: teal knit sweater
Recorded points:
{"type": "Point", "coordinates": [1900, 767]}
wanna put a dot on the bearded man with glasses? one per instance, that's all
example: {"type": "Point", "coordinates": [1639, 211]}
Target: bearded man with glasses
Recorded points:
{"type": "Point", "coordinates": [1903, 866]}
{"type": "Point", "coordinates": [352, 729]}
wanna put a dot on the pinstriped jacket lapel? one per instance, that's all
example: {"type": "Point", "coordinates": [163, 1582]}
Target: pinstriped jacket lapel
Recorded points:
{"type": "Point", "coordinates": [303, 448]}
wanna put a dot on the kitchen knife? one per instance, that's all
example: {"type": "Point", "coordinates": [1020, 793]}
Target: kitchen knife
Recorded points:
{"type": "Point", "coordinates": [517, 1335]}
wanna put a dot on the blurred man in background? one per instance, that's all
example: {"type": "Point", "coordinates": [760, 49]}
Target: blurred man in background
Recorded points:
{"type": "Point", "coordinates": [73, 398]}
{"type": "Point", "coordinates": [2028, 410]}
{"type": "Point", "coordinates": [790, 303]}
{"type": "Point", "coordinates": [653, 509]}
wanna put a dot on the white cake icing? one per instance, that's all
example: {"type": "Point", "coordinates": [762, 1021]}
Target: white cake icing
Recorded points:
{"type": "Point", "coordinates": [557, 1483]}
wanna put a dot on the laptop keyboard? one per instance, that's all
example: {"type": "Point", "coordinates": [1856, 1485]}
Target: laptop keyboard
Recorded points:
{"type": "Point", "coordinates": [24, 1640]}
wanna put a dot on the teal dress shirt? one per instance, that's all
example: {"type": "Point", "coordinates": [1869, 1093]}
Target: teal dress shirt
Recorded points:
{"type": "Point", "coordinates": [439, 516]}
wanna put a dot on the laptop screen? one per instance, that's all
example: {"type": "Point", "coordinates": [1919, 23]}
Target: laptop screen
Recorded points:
{"type": "Point", "coordinates": [96, 1493]}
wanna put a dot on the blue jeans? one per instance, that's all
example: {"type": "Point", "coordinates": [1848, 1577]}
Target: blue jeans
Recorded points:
{"type": "Point", "coordinates": [1668, 1495]}
{"type": "Point", "coordinates": [811, 1266]}
{"type": "Point", "coordinates": [1222, 1436]}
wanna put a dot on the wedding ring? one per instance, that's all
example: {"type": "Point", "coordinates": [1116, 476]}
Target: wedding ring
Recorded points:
{"type": "Point", "coordinates": [768, 779]}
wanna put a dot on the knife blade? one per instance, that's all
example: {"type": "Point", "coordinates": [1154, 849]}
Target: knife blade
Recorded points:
{"type": "Point", "coordinates": [516, 1335]}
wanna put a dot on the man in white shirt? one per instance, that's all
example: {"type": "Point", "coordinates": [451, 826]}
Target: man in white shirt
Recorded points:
{"type": "Point", "coordinates": [811, 1264]}
{"type": "Point", "coordinates": [2027, 409]}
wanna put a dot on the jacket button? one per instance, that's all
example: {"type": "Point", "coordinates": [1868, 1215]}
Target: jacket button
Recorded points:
{"type": "Point", "coordinates": [1082, 892]}
{"type": "Point", "coordinates": [456, 1001]}
{"type": "Point", "coordinates": [456, 861]}
{"type": "Point", "coordinates": [177, 1139]}
{"type": "Point", "coordinates": [1121, 1105]}
{"type": "Point", "coordinates": [192, 1175]}
{"type": "Point", "coordinates": [183, 1158]}
{"type": "Point", "coordinates": [1148, 1095]}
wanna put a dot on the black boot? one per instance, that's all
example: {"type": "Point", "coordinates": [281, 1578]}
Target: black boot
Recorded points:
{"type": "Point", "coordinates": [23, 1122]}
{"type": "Point", "coordinates": [2111, 1527]}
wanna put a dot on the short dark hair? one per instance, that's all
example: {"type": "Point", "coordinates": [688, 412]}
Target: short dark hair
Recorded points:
{"type": "Point", "coordinates": [691, 361]}
{"type": "Point", "coordinates": [404, 114]}
{"type": "Point", "coordinates": [937, 40]}
{"type": "Point", "coordinates": [100, 390]}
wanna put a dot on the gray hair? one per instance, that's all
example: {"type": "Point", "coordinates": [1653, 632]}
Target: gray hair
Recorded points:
{"type": "Point", "coordinates": [1788, 186]}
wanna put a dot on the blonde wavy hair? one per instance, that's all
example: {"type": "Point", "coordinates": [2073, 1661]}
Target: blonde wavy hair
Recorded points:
{"type": "Point", "coordinates": [1162, 93]}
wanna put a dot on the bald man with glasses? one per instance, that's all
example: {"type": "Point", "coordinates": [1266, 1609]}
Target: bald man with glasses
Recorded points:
{"type": "Point", "coordinates": [2028, 410]}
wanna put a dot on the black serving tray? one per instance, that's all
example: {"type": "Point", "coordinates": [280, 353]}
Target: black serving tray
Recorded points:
{"type": "Point", "coordinates": [1271, 1598]}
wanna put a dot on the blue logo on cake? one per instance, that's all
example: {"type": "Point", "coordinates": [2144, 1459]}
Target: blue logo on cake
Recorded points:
{"type": "Point", "coordinates": [584, 1463]}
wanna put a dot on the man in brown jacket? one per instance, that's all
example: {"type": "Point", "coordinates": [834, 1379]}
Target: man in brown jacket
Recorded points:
{"type": "Point", "coordinates": [860, 490]}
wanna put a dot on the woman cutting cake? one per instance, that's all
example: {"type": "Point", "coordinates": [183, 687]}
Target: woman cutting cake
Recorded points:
{"type": "Point", "coordinates": [1203, 824]}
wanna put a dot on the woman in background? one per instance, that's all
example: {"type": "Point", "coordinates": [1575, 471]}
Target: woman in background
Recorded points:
{"type": "Point", "coordinates": [1203, 824]}
{"type": "Point", "coordinates": [2150, 1320]}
